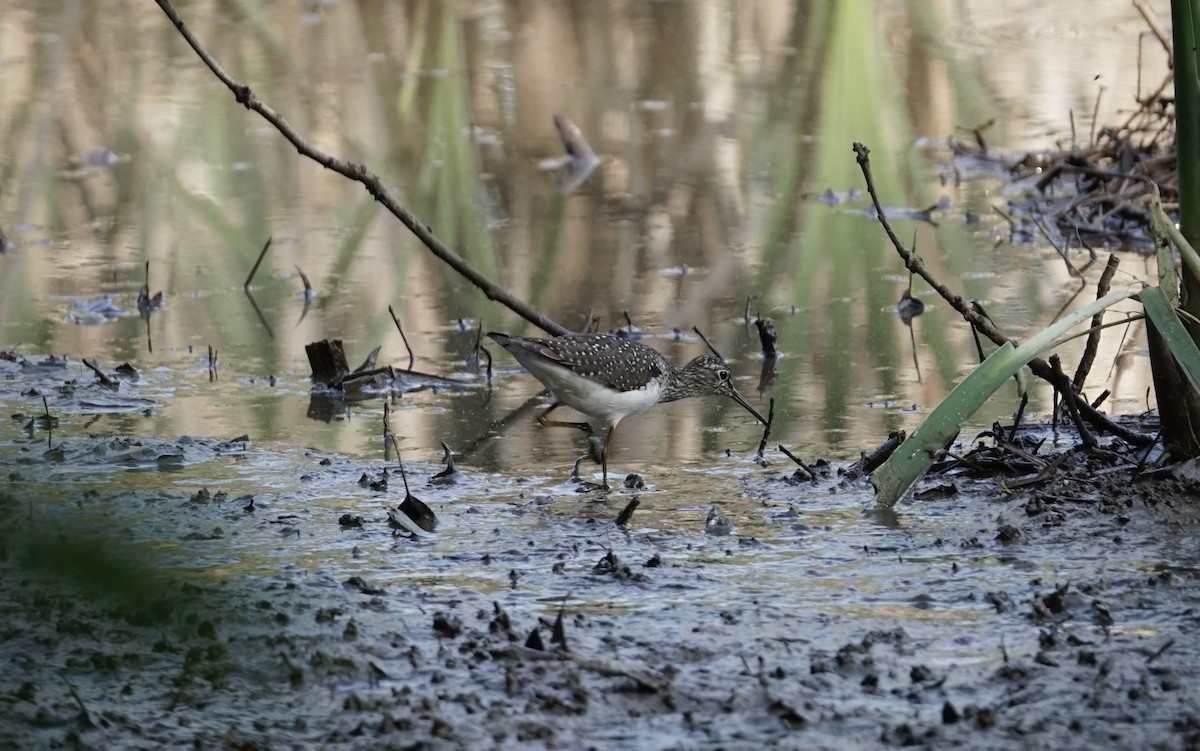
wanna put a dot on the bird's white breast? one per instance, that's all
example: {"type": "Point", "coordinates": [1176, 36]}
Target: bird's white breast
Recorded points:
{"type": "Point", "coordinates": [590, 397]}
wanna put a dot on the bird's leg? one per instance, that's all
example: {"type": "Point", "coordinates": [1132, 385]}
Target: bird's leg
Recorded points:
{"type": "Point", "coordinates": [586, 428]}
{"type": "Point", "coordinates": [604, 458]}
{"type": "Point", "coordinates": [562, 424]}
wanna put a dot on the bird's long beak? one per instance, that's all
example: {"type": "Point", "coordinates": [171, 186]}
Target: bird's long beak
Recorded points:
{"type": "Point", "coordinates": [737, 397]}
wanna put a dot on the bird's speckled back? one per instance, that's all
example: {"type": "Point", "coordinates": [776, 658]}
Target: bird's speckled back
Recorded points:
{"type": "Point", "coordinates": [616, 362]}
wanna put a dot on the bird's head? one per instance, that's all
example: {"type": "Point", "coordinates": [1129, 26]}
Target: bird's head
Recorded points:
{"type": "Point", "coordinates": [709, 376]}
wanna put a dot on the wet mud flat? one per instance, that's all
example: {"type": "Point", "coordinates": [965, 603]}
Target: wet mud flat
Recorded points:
{"type": "Point", "coordinates": [208, 594]}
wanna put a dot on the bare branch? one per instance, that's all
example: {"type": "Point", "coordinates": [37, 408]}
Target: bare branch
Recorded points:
{"type": "Point", "coordinates": [359, 173]}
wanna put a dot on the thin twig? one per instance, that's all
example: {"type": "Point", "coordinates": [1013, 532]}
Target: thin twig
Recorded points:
{"type": "Point", "coordinates": [1093, 340]}
{"type": "Point", "coordinates": [1037, 365]}
{"type": "Point", "coordinates": [711, 348]}
{"type": "Point", "coordinates": [1069, 394]}
{"type": "Point", "coordinates": [374, 185]}
{"type": "Point", "coordinates": [261, 254]}
{"type": "Point", "coordinates": [1152, 21]}
{"type": "Point", "coordinates": [762, 445]}
{"type": "Point", "coordinates": [1095, 116]}
{"type": "Point", "coordinates": [403, 338]}
{"type": "Point", "coordinates": [799, 462]}
{"type": "Point", "coordinates": [1012, 434]}
{"type": "Point", "coordinates": [104, 379]}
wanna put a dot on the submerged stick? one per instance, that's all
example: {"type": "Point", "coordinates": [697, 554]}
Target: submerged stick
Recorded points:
{"type": "Point", "coordinates": [762, 445]}
{"type": "Point", "coordinates": [100, 374]}
{"type": "Point", "coordinates": [261, 254]}
{"type": "Point", "coordinates": [359, 173]}
{"type": "Point", "coordinates": [767, 335]}
{"type": "Point", "coordinates": [799, 462]}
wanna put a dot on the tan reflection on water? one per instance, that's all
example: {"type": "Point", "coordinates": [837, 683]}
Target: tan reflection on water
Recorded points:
{"type": "Point", "coordinates": [717, 122]}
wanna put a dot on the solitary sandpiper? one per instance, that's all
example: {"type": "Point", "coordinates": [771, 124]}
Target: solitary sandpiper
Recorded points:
{"type": "Point", "coordinates": [610, 378]}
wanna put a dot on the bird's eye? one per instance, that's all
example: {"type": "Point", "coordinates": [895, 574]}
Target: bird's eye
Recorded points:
{"type": "Point", "coordinates": [722, 375]}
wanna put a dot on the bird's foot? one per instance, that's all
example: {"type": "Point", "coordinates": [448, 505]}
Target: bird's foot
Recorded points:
{"type": "Point", "coordinates": [587, 486]}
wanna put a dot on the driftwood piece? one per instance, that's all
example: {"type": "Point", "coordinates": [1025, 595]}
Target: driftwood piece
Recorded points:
{"type": "Point", "coordinates": [326, 360]}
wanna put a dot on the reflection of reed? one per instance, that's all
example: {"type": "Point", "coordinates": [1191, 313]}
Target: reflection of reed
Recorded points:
{"type": "Point", "coordinates": [714, 119]}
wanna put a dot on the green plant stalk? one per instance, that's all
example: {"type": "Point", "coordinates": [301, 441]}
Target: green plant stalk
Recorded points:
{"type": "Point", "coordinates": [1185, 15]}
{"type": "Point", "coordinates": [1165, 228]}
{"type": "Point", "coordinates": [912, 459]}
{"type": "Point", "coordinates": [1166, 320]}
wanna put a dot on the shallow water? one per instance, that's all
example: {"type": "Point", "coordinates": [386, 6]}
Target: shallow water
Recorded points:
{"type": "Point", "coordinates": [722, 126]}
{"type": "Point", "coordinates": [717, 152]}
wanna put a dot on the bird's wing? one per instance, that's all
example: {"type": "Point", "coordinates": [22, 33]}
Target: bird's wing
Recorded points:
{"type": "Point", "coordinates": [616, 362]}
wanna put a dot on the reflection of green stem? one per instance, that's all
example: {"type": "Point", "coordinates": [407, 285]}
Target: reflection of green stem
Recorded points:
{"type": "Point", "coordinates": [412, 62]}
{"type": "Point", "coordinates": [542, 272]}
{"type": "Point", "coordinates": [364, 214]}
{"type": "Point", "coordinates": [450, 175]}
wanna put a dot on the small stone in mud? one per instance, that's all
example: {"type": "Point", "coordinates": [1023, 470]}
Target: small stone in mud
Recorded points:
{"type": "Point", "coordinates": [359, 583]}
{"type": "Point", "coordinates": [611, 564]}
{"type": "Point", "coordinates": [201, 496]}
{"type": "Point", "coordinates": [350, 521]}
{"type": "Point", "coordinates": [1056, 601]}
{"type": "Point", "coordinates": [937, 492]}
{"type": "Point", "coordinates": [1009, 534]}
{"type": "Point", "coordinates": [920, 674]}
{"type": "Point", "coordinates": [634, 482]}
{"type": "Point", "coordinates": [535, 640]}
{"type": "Point", "coordinates": [985, 717]}
{"type": "Point", "coordinates": [788, 714]}
{"type": "Point", "coordinates": [27, 692]}
{"type": "Point", "coordinates": [901, 735]}
{"type": "Point", "coordinates": [950, 715]}
{"type": "Point", "coordinates": [447, 625]}
{"type": "Point", "coordinates": [327, 615]}
{"type": "Point", "coordinates": [717, 523]}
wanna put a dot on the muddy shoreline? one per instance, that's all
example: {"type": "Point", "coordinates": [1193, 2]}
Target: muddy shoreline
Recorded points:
{"type": "Point", "coordinates": [1058, 619]}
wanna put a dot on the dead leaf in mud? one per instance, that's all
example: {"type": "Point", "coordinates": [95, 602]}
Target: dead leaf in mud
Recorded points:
{"type": "Point", "coordinates": [449, 475]}
{"type": "Point", "coordinates": [412, 508]}
{"type": "Point", "coordinates": [416, 510]}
